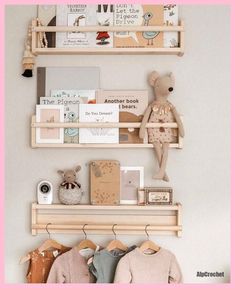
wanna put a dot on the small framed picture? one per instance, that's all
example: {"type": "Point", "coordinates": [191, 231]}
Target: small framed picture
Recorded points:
{"type": "Point", "coordinates": [132, 179]}
{"type": "Point", "coordinates": [49, 114]}
{"type": "Point", "coordinates": [158, 196]}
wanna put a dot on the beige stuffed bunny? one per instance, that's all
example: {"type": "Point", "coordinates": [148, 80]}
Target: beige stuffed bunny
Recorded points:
{"type": "Point", "coordinates": [161, 111]}
{"type": "Point", "coordinates": [70, 192]}
{"type": "Point", "coordinates": [69, 177]}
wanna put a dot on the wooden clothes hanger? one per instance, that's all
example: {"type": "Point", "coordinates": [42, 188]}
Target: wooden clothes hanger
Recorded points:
{"type": "Point", "coordinates": [47, 244]}
{"type": "Point", "coordinates": [148, 244]}
{"type": "Point", "coordinates": [86, 243]}
{"type": "Point", "coordinates": [116, 244]}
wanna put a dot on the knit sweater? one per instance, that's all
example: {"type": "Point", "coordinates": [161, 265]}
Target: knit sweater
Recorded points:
{"type": "Point", "coordinates": [159, 268]}
{"type": "Point", "coordinates": [71, 267]}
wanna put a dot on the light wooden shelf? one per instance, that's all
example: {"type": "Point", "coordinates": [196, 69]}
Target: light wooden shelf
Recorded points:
{"type": "Point", "coordinates": [130, 219]}
{"type": "Point", "coordinates": [37, 50]}
{"type": "Point", "coordinates": [35, 125]}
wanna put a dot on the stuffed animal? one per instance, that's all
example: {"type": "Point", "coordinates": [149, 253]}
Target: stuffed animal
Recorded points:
{"type": "Point", "coordinates": [161, 111]}
{"type": "Point", "coordinates": [70, 192]}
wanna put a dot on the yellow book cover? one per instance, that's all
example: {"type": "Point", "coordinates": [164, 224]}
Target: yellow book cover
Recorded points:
{"type": "Point", "coordinates": [138, 15]}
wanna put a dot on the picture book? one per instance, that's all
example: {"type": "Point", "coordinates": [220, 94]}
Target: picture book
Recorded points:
{"type": "Point", "coordinates": [75, 15]}
{"type": "Point", "coordinates": [90, 95]}
{"type": "Point", "coordinates": [132, 105]}
{"type": "Point", "coordinates": [104, 17]}
{"type": "Point", "coordinates": [171, 17]}
{"type": "Point", "coordinates": [84, 15]}
{"type": "Point", "coordinates": [49, 114]}
{"type": "Point", "coordinates": [98, 113]}
{"type": "Point", "coordinates": [138, 15]}
{"type": "Point", "coordinates": [71, 113]}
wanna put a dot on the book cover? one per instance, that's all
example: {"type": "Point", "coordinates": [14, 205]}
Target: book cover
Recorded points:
{"type": "Point", "coordinates": [171, 17]}
{"type": "Point", "coordinates": [98, 113]}
{"type": "Point", "coordinates": [90, 95]}
{"type": "Point", "coordinates": [71, 113]}
{"type": "Point", "coordinates": [137, 15]}
{"type": "Point", "coordinates": [75, 15]}
{"type": "Point", "coordinates": [104, 17]}
{"type": "Point", "coordinates": [132, 105]}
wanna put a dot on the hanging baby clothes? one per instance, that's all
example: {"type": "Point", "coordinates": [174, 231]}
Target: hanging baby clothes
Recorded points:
{"type": "Point", "coordinates": [40, 264]}
{"type": "Point", "coordinates": [103, 264]}
{"type": "Point", "coordinates": [158, 268]}
{"type": "Point", "coordinates": [71, 267]}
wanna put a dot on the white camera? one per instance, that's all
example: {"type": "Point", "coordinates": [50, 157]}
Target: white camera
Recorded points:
{"type": "Point", "coordinates": [44, 192]}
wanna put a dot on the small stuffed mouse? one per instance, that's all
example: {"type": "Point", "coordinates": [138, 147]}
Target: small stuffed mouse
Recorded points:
{"type": "Point", "coordinates": [161, 111]}
{"type": "Point", "coordinates": [69, 177]}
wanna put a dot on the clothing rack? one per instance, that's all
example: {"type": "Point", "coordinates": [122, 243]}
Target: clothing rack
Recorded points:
{"type": "Point", "coordinates": [128, 219]}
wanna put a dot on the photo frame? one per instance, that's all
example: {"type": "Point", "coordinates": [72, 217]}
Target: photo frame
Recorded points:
{"type": "Point", "coordinates": [155, 196]}
{"type": "Point", "coordinates": [131, 179]}
{"type": "Point", "coordinates": [49, 114]}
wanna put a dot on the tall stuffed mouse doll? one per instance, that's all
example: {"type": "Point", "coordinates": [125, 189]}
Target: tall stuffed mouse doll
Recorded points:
{"type": "Point", "coordinates": [161, 111]}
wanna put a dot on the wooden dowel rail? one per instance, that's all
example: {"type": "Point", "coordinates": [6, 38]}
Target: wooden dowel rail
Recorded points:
{"type": "Point", "coordinates": [101, 125]}
{"type": "Point", "coordinates": [107, 28]}
{"type": "Point", "coordinates": [108, 227]}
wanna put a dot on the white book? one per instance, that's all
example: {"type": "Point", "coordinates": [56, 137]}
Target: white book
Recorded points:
{"type": "Point", "coordinates": [104, 17]}
{"type": "Point", "coordinates": [90, 95]}
{"type": "Point", "coordinates": [71, 114]}
{"type": "Point", "coordinates": [99, 113]}
{"type": "Point", "coordinates": [75, 15]}
{"type": "Point", "coordinates": [171, 18]}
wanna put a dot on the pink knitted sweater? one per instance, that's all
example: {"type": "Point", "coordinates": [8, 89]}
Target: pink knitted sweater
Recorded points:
{"type": "Point", "coordinates": [159, 268]}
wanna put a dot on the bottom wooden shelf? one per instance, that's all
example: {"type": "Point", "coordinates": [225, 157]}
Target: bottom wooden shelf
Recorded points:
{"type": "Point", "coordinates": [129, 219]}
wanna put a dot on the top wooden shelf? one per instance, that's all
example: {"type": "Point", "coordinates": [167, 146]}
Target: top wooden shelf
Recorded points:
{"type": "Point", "coordinates": [37, 50]}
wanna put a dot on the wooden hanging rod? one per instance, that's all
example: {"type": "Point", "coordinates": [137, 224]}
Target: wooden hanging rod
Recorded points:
{"type": "Point", "coordinates": [107, 28]}
{"type": "Point", "coordinates": [92, 227]}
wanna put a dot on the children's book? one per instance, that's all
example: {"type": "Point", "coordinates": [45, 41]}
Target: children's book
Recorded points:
{"type": "Point", "coordinates": [171, 18]}
{"type": "Point", "coordinates": [98, 113]}
{"type": "Point", "coordinates": [132, 105]}
{"type": "Point", "coordinates": [138, 15]}
{"type": "Point", "coordinates": [84, 15]}
{"type": "Point", "coordinates": [104, 17]}
{"type": "Point", "coordinates": [71, 113]}
{"type": "Point", "coordinates": [75, 15]}
{"type": "Point", "coordinates": [90, 95]}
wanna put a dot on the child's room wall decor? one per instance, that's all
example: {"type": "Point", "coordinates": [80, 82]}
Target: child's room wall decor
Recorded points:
{"type": "Point", "coordinates": [92, 95]}
{"type": "Point", "coordinates": [132, 179]}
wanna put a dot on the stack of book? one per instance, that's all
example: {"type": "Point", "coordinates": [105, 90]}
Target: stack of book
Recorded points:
{"type": "Point", "coordinates": [110, 15]}
{"type": "Point", "coordinates": [94, 106]}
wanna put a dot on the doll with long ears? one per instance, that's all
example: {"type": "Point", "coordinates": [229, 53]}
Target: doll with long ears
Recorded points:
{"type": "Point", "coordinates": [161, 111]}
